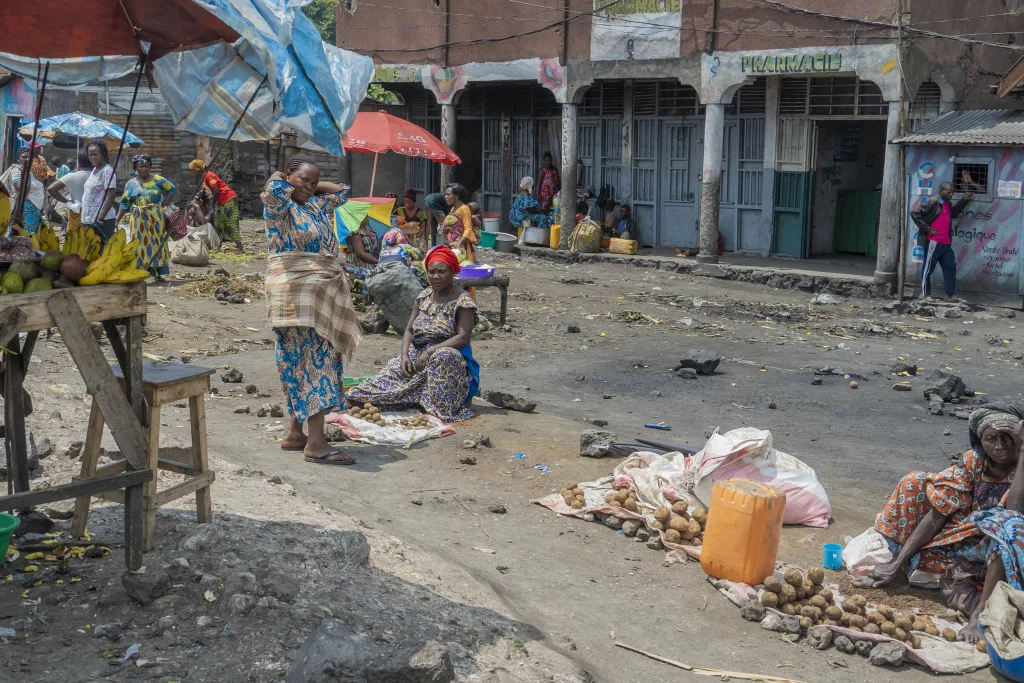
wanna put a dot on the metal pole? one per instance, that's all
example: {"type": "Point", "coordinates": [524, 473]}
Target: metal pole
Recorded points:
{"type": "Point", "coordinates": [26, 176]}
{"type": "Point", "coordinates": [373, 178]}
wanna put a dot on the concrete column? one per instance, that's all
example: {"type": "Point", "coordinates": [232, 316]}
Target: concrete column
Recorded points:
{"type": "Point", "coordinates": [569, 160]}
{"type": "Point", "coordinates": [448, 138]}
{"type": "Point", "coordinates": [771, 151]}
{"type": "Point", "coordinates": [625, 190]}
{"type": "Point", "coordinates": [889, 215]}
{"type": "Point", "coordinates": [711, 182]}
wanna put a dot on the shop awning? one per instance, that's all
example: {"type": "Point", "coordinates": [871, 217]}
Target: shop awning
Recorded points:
{"type": "Point", "coordinates": [971, 127]}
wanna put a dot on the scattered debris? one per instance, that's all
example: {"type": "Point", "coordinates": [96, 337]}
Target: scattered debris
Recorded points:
{"type": "Point", "coordinates": [944, 385]}
{"type": "Point", "coordinates": [509, 402]}
{"type": "Point", "coordinates": [498, 509]}
{"type": "Point", "coordinates": [468, 460]}
{"type": "Point", "coordinates": [573, 328]}
{"type": "Point", "coordinates": [903, 368]}
{"type": "Point", "coordinates": [242, 410]}
{"type": "Point", "coordinates": [276, 410]}
{"type": "Point", "coordinates": [687, 373]}
{"type": "Point", "coordinates": [902, 386]}
{"type": "Point", "coordinates": [232, 376]}
{"type": "Point", "coordinates": [703, 361]}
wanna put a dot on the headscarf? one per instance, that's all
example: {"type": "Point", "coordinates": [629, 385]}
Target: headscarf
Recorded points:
{"type": "Point", "coordinates": [197, 165]}
{"type": "Point", "coordinates": [526, 184]}
{"type": "Point", "coordinates": [445, 255]}
{"type": "Point", "coordinates": [436, 202]}
{"type": "Point", "coordinates": [410, 194]}
{"type": "Point", "coordinates": [141, 159]}
{"type": "Point", "coordinates": [991, 415]}
{"type": "Point", "coordinates": [395, 236]}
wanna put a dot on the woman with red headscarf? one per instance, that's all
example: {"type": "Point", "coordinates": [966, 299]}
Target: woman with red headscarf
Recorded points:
{"type": "Point", "coordinates": [436, 371]}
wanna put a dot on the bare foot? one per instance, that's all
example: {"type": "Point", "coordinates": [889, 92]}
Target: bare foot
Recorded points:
{"type": "Point", "coordinates": [294, 439]}
{"type": "Point", "coordinates": [970, 633]}
{"type": "Point", "coordinates": [889, 575]}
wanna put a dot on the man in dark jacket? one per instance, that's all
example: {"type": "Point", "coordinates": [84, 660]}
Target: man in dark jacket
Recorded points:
{"type": "Point", "coordinates": [934, 218]}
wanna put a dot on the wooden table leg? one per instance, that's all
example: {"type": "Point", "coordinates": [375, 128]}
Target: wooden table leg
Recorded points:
{"type": "Point", "coordinates": [14, 418]}
{"type": "Point", "coordinates": [504, 303]}
{"type": "Point", "coordinates": [133, 539]}
{"type": "Point", "coordinates": [197, 418]}
{"type": "Point", "coordinates": [90, 456]}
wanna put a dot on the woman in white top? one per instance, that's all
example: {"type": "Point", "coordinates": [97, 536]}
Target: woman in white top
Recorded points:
{"type": "Point", "coordinates": [99, 193]}
{"type": "Point", "coordinates": [32, 213]}
{"type": "Point", "coordinates": [73, 186]}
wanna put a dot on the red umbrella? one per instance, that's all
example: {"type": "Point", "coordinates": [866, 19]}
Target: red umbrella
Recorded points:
{"type": "Point", "coordinates": [95, 28]}
{"type": "Point", "coordinates": [376, 132]}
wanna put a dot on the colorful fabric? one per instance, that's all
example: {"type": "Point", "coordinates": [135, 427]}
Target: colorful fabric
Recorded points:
{"type": "Point", "coordinates": [445, 387]}
{"type": "Point", "coordinates": [371, 245]}
{"type": "Point", "coordinates": [32, 216]}
{"type": "Point", "coordinates": [1004, 532]}
{"type": "Point", "coordinates": [443, 254]}
{"type": "Point", "coordinates": [394, 236]}
{"type": "Point", "coordinates": [519, 215]}
{"type": "Point", "coordinates": [310, 372]}
{"type": "Point", "coordinates": [304, 356]}
{"type": "Point", "coordinates": [586, 237]}
{"type": "Point", "coordinates": [40, 169]}
{"type": "Point", "coordinates": [459, 224]}
{"type": "Point", "coordinates": [12, 181]}
{"type": "Point", "coordinates": [956, 492]}
{"type": "Point", "coordinates": [62, 171]}
{"type": "Point", "coordinates": [143, 201]}
{"type": "Point", "coordinates": [550, 184]}
{"type": "Point", "coordinates": [226, 221]}
{"type": "Point", "coordinates": [224, 193]}
{"type": "Point", "coordinates": [418, 215]}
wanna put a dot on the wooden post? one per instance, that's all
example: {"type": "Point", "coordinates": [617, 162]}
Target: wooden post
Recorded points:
{"type": "Point", "coordinates": [133, 526]}
{"type": "Point", "coordinates": [14, 419]}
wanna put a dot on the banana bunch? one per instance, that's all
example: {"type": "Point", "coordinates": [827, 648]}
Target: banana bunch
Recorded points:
{"type": "Point", "coordinates": [82, 241]}
{"type": "Point", "coordinates": [46, 238]}
{"type": "Point", "coordinates": [116, 263]}
{"type": "Point", "coordinates": [5, 210]}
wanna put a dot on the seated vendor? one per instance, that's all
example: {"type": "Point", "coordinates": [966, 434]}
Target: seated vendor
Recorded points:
{"type": "Point", "coordinates": [526, 209]}
{"type": "Point", "coordinates": [436, 370]}
{"type": "Point", "coordinates": [411, 218]}
{"type": "Point", "coordinates": [363, 246]}
{"type": "Point", "coordinates": [626, 227]}
{"type": "Point", "coordinates": [611, 219]}
{"type": "Point", "coordinates": [964, 523]}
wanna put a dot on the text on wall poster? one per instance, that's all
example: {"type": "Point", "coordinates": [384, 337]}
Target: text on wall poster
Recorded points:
{"type": "Point", "coordinates": [793, 64]}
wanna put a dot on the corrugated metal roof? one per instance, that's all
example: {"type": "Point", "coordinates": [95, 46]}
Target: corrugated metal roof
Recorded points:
{"type": "Point", "coordinates": [972, 127]}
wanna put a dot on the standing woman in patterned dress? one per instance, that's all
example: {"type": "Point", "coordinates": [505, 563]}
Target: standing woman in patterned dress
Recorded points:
{"type": "Point", "coordinates": [308, 303]}
{"type": "Point", "coordinates": [144, 198]}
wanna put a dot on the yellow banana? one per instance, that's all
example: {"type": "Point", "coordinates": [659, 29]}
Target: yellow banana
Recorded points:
{"type": "Point", "coordinates": [130, 275]}
{"type": "Point", "coordinates": [98, 271]}
{"type": "Point", "coordinates": [34, 238]}
{"type": "Point", "coordinates": [5, 211]}
{"type": "Point", "coordinates": [129, 256]}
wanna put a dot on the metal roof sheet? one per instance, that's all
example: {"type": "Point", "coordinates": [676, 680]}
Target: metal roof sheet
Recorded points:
{"type": "Point", "coordinates": [971, 127]}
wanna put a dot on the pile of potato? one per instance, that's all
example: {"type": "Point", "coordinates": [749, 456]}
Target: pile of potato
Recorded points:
{"type": "Point", "coordinates": [679, 525]}
{"type": "Point", "coordinates": [367, 412]}
{"type": "Point", "coordinates": [623, 497]}
{"type": "Point", "coordinates": [573, 496]}
{"type": "Point", "coordinates": [421, 421]}
{"type": "Point", "coordinates": [884, 619]}
{"type": "Point", "coordinates": [806, 598]}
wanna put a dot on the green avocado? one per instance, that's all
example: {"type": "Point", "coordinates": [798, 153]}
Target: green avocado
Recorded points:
{"type": "Point", "coordinates": [12, 282]}
{"type": "Point", "coordinates": [39, 284]}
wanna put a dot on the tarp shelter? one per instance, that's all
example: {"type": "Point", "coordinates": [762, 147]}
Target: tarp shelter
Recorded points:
{"type": "Point", "coordinates": [989, 237]}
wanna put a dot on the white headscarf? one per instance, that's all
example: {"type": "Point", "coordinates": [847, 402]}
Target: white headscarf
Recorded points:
{"type": "Point", "coordinates": [526, 184]}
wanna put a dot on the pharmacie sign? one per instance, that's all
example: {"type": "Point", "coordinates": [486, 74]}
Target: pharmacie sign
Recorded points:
{"type": "Point", "coordinates": [792, 64]}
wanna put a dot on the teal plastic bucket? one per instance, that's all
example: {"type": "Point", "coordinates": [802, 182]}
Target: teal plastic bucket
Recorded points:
{"type": "Point", "coordinates": [8, 523]}
{"type": "Point", "coordinates": [487, 239]}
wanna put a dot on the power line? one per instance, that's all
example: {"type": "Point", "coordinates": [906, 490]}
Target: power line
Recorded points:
{"type": "Point", "coordinates": [982, 16]}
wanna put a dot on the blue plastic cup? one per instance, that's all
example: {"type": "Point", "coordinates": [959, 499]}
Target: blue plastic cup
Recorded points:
{"type": "Point", "coordinates": [833, 556]}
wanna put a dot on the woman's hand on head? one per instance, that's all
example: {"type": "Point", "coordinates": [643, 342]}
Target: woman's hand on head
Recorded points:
{"type": "Point", "coordinates": [1016, 432]}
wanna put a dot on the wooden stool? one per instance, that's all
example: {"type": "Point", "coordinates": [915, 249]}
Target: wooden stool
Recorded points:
{"type": "Point", "coordinates": [162, 382]}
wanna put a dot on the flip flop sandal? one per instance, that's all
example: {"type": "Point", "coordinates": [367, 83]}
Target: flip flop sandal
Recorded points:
{"type": "Point", "coordinates": [326, 458]}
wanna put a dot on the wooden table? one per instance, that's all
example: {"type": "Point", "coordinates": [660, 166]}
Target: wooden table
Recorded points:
{"type": "Point", "coordinates": [499, 281]}
{"type": "Point", "coordinates": [126, 413]}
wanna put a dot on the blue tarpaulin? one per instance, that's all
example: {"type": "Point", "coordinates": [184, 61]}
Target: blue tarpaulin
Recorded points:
{"type": "Point", "coordinates": [79, 125]}
{"type": "Point", "coordinates": [312, 90]}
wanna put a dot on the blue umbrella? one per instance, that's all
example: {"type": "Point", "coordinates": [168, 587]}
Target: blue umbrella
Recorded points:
{"type": "Point", "coordinates": [79, 125]}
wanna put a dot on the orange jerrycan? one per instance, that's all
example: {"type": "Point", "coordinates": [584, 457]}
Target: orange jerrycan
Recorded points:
{"type": "Point", "coordinates": [741, 537]}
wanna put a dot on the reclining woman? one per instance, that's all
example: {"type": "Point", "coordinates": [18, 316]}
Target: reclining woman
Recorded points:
{"type": "Point", "coordinates": [436, 371]}
{"type": "Point", "coordinates": [958, 521]}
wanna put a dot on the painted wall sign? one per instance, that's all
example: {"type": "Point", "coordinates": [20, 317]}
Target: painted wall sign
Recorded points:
{"type": "Point", "coordinates": [384, 73]}
{"type": "Point", "coordinates": [1008, 189]}
{"type": "Point", "coordinates": [987, 238]}
{"type": "Point", "coordinates": [629, 30]}
{"type": "Point", "coordinates": [792, 64]}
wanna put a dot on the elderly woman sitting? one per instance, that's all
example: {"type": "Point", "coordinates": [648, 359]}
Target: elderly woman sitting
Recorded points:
{"type": "Point", "coordinates": [959, 521]}
{"type": "Point", "coordinates": [526, 209]}
{"type": "Point", "coordinates": [436, 371]}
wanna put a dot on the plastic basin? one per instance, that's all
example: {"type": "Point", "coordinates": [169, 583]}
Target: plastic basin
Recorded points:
{"type": "Point", "coordinates": [8, 523]}
{"type": "Point", "coordinates": [1012, 669]}
{"type": "Point", "coordinates": [487, 239]}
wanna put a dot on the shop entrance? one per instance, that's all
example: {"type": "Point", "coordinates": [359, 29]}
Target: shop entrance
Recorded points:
{"type": "Point", "coordinates": [847, 187]}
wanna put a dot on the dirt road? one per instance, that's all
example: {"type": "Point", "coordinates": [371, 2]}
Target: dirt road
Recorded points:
{"type": "Point", "coordinates": [581, 584]}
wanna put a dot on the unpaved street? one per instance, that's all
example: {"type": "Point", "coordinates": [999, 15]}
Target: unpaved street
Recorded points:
{"type": "Point", "coordinates": [580, 585]}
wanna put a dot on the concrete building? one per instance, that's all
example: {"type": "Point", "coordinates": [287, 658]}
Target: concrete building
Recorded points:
{"type": "Point", "coordinates": [770, 123]}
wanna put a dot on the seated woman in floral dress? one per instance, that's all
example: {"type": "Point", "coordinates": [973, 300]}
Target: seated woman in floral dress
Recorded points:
{"type": "Point", "coordinates": [963, 523]}
{"type": "Point", "coordinates": [436, 371]}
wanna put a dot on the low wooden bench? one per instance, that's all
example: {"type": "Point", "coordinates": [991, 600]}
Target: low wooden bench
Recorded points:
{"type": "Point", "coordinates": [499, 281]}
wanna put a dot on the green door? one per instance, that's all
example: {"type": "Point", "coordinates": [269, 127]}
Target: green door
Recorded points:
{"type": "Point", "coordinates": [792, 214]}
{"type": "Point", "coordinates": [856, 225]}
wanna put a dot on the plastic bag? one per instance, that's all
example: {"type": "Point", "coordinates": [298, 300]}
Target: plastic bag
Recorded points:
{"type": "Point", "coordinates": [747, 452]}
{"type": "Point", "coordinates": [190, 251]}
{"type": "Point", "coordinates": [208, 235]}
{"type": "Point", "coordinates": [866, 550]}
